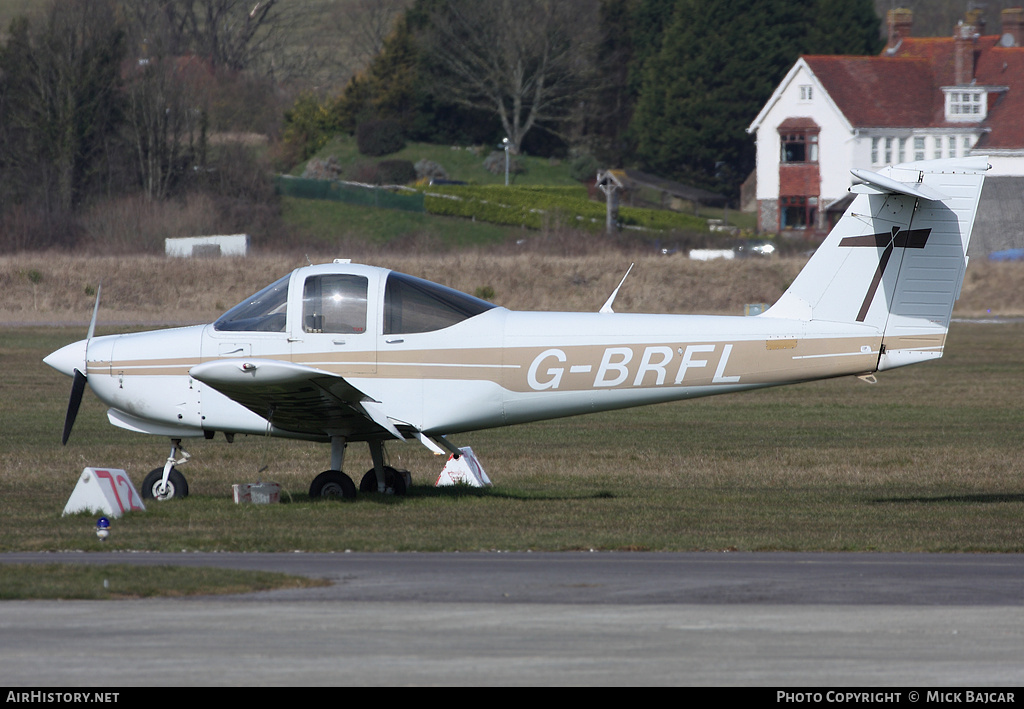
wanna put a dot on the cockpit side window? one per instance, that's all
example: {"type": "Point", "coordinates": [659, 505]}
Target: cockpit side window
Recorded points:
{"type": "Point", "coordinates": [415, 305]}
{"type": "Point", "coordinates": [265, 311]}
{"type": "Point", "coordinates": [334, 303]}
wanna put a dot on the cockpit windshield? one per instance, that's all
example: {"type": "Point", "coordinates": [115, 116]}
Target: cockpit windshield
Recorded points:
{"type": "Point", "coordinates": [263, 312]}
{"type": "Point", "coordinates": [415, 305]}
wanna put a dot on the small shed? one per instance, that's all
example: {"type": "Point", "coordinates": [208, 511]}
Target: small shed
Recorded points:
{"type": "Point", "coordinates": [207, 246]}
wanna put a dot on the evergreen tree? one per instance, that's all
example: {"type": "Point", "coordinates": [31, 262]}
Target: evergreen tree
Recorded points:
{"type": "Point", "coordinates": [395, 85]}
{"type": "Point", "coordinates": [606, 110]}
{"type": "Point", "coordinates": [718, 62]}
{"type": "Point", "coordinates": [845, 27]}
{"type": "Point", "coordinates": [649, 23]}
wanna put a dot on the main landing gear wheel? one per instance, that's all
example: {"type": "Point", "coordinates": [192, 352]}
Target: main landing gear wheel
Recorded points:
{"type": "Point", "coordinates": [176, 485]}
{"type": "Point", "coordinates": [332, 484]}
{"type": "Point", "coordinates": [394, 481]}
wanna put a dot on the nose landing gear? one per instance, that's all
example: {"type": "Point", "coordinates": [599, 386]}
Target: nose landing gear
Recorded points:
{"type": "Point", "coordinates": [167, 483]}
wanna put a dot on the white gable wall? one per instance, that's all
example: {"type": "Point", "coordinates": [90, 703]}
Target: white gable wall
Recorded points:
{"type": "Point", "coordinates": [841, 147]}
{"type": "Point", "coordinates": [837, 146]}
{"type": "Point", "coordinates": [1005, 163]}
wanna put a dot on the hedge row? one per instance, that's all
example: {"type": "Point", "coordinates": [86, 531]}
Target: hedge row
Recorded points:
{"type": "Point", "coordinates": [532, 207]}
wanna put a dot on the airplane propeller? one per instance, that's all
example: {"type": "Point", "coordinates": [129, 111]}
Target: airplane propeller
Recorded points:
{"type": "Point", "coordinates": [80, 378]}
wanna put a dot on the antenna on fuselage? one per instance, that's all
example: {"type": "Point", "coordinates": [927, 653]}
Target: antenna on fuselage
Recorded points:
{"type": "Point", "coordinates": [607, 307]}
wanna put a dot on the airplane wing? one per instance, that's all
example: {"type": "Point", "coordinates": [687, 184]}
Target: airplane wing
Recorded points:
{"type": "Point", "coordinates": [298, 398]}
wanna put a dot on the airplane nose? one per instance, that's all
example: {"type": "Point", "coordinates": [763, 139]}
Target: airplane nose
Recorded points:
{"type": "Point", "coordinates": [68, 358]}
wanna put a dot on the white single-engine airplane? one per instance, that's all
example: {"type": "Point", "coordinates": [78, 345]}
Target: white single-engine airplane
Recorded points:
{"type": "Point", "coordinates": [342, 352]}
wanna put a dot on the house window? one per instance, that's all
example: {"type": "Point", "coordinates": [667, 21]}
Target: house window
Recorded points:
{"type": "Point", "coordinates": [798, 212]}
{"type": "Point", "coordinates": [919, 147]}
{"type": "Point", "coordinates": [903, 150]}
{"type": "Point", "coordinates": [888, 151]}
{"type": "Point", "coordinates": [806, 92]}
{"type": "Point", "coordinates": [874, 150]}
{"type": "Point", "coordinates": [952, 146]}
{"type": "Point", "coordinates": [937, 154]}
{"type": "Point", "coordinates": [966, 105]}
{"type": "Point", "coordinates": [799, 146]}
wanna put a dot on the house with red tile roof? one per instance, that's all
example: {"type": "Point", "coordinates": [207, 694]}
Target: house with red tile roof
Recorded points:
{"type": "Point", "coordinates": [922, 98]}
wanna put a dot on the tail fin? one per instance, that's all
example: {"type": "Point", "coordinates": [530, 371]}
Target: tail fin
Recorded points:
{"type": "Point", "coordinates": [896, 259]}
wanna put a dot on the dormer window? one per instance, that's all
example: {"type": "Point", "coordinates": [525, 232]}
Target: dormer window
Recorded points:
{"type": "Point", "coordinates": [964, 105]}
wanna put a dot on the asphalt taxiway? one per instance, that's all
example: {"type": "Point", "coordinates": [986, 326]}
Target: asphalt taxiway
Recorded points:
{"type": "Point", "coordinates": [720, 619]}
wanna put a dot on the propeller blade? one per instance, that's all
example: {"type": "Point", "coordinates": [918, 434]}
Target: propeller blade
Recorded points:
{"type": "Point", "coordinates": [77, 389]}
{"type": "Point", "coordinates": [80, 380]}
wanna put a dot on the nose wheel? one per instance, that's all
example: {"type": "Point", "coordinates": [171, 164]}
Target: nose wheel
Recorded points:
{"type": "Point", "coordinates": [154, 487]}
{"type": "Point", "coordinates": [167, 483]}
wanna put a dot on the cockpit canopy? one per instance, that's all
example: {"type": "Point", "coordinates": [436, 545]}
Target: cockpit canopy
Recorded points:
{"type": "Point", "coordinates": [265, 311]}
{"type": "Point", "coordinates": [415, 305]}
{"type": "Point", "coordinates": [338, 303]}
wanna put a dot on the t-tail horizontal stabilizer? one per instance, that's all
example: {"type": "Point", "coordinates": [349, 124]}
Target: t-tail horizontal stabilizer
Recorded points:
{"type": "Point", "coordinates": [875, 183]}
{"type": "Point", "coordinates": [895, 261]}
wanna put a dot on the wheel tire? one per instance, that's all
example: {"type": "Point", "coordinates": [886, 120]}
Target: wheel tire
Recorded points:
{"type": "Point", "coordinates": [332, 484]}
{"type": "Point", "coordinates": [177, 486]}
{"type": "Point", "coordinates": [393, 481]}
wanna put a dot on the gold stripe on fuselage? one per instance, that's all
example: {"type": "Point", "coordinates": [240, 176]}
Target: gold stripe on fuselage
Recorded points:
{"type": "Point", "coordinates": [581, 367]}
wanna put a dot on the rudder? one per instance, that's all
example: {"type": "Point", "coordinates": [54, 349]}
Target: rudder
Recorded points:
{"type": "Point", "coordinates": [896, 259]}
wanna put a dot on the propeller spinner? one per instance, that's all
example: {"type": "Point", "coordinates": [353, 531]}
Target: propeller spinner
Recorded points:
{"type": "Point", "coordinates": [73, 361]}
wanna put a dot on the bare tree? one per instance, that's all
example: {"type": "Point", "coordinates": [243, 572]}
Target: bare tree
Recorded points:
{"type": "Point", "coordinates": [235, 35]}
{"type": "Point", "coordinates": [363, 25]}
{"type": "Point", "coordinates": [164, 120]}
{"type": "Point", "coordinates": [528, 61]}
{"type": "Point", "coordinates": [61, 91]}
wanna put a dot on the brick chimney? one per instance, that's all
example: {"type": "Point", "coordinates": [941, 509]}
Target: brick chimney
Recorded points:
{"type": "Point", "coordinates": [1013, 26]}
{"type": "Point", "coordinates": [963, 53]}
{"type": "Point", "coordinates": [900, 22]}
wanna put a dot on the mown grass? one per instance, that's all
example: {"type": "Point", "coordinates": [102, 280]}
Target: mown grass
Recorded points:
{"type": "Point", "coordinates": [339, 225]}
{"type": "Point", "coordinates": [463, 163]}
{"type": "Point", "coordinates": [928, 459]}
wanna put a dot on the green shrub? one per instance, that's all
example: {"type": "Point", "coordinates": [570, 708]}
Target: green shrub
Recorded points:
{"type": "Point", "coordinates": [376, 138]}
{"type": "Point", "coordinates": [533, 207]}
{"type": "Point", "coordinates": [308, 125]}
{"type": "Point", "coordinates": [395, 172]}
{"type": "Point", "coordinates": [584, 168]}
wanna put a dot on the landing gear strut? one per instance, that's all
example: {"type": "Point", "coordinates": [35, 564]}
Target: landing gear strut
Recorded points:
{"type": "Point", "coordinates": [382, 478]}
{"type": "Point", "coordinates": [335, 484]}
{"type": "Point", "coordinates": [167, 483]}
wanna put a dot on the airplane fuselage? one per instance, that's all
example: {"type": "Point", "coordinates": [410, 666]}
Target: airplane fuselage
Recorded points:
{"type": "Point", "coordinates": [498, 368]}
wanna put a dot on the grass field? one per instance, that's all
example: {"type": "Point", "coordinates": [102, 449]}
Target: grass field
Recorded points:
{"type": "Point", "coordinates": [58, 288]}
{"type": "Point", "coordinates": [928, 459]}
{"type": "Point", "coordinates": [336, 225]}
